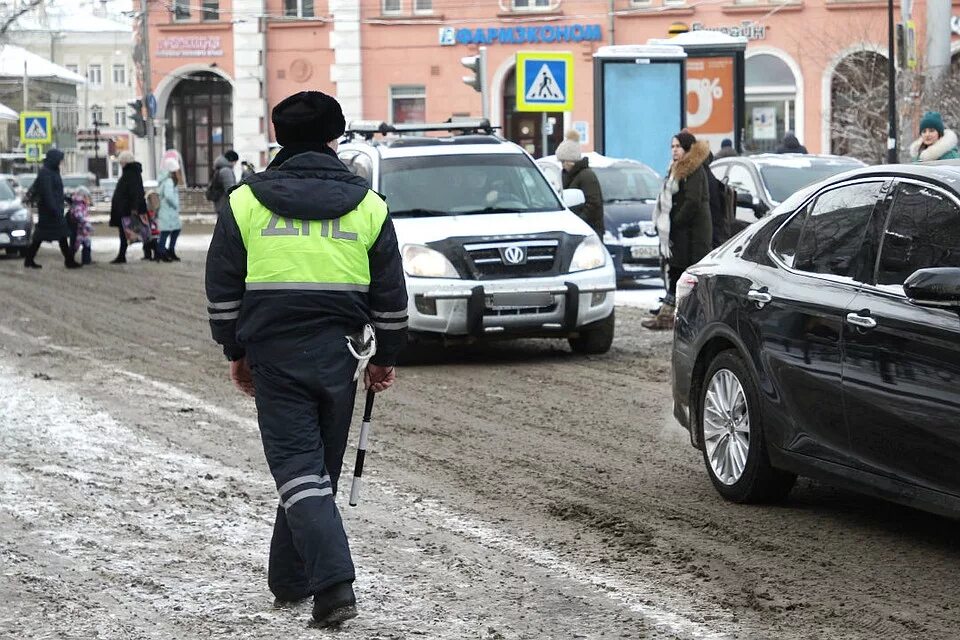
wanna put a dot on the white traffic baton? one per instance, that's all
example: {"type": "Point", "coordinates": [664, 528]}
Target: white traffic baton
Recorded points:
{"type": "Point", "coordinates": [361, 449]}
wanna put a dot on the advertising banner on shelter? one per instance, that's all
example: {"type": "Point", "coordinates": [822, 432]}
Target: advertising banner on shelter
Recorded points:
{"type": "Point", "coordinates": [711, 98]}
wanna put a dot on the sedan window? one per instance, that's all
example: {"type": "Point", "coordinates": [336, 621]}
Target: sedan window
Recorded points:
{"type": "Point", "coordinates": [832, 235]}
{"type": "Point", "coordinates": [923, 230]}
{"type": "Point", "coordinates": [785, 244]}
{"type": "Point", "coordinates": [740, 179]}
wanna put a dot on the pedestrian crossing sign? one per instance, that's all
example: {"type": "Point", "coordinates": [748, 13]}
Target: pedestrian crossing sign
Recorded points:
{"type": "Point", "coordinates": [544, 81]}
{"type": "Point", "coordinates": [36, 127]}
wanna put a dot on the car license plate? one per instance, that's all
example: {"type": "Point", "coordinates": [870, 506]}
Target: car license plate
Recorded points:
{"type": "Point", "coordinates": [518, 300]}
{"type": "Point", "coordinates": [644, 251]}
{"type": "Point", "coordinates": [4, 238]}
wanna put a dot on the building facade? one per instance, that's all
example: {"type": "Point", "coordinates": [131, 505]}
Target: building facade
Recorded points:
{"type": "Point", "coordinates": [101, 50]}
{"type": "Point", "coordinates": [219, 65]}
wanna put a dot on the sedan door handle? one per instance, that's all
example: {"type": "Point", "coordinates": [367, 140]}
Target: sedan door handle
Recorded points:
{"type": "Point", "coordinates": [760, 297]}
{"type": "Point", "coordinates": [864, 322]}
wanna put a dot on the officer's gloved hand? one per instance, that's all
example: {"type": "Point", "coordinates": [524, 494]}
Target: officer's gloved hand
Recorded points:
{"type": "Point", "coordinates": [377, 378]}
{"type": "Point", "coordinates": [242, 376]}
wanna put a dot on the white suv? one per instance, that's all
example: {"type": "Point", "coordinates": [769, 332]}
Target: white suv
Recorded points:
{"type": "Point", "coordinates": [488, 248]}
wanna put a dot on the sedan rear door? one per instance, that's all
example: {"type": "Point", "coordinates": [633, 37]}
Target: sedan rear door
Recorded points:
{"type": "Point", "coordinates": [901, 374]}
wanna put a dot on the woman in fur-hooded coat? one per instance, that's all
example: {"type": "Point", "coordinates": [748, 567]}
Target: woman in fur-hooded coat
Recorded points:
{"type": "Point", "coordinates": [935, 141]}
{"type": "Point", "coordinates": [682, 218]}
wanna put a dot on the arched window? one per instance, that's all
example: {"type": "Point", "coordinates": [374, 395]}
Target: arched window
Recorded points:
{"type": "Point", "coordinates": [771, 96]}
{"type": "Point", "coordinates": [199, 123]}
{"type": "Point", "coordinates": [858, 107]}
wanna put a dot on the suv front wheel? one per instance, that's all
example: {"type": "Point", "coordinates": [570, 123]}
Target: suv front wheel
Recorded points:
{"type": "Point", "coordinates": [594, 338]}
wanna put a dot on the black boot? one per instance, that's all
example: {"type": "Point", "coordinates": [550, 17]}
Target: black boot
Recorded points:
{"type": "Point", "coordinates": [173, 255]}
{"type": "Point", "coordinates": [119, 260]}
{"type": "Point", "coordinates": [30, 264]}
{"type": "Point", "coordinates": [334, 605]}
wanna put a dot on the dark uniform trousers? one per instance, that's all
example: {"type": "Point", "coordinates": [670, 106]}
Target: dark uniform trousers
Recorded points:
{"type": "Point", "coordinates": [305, 398]}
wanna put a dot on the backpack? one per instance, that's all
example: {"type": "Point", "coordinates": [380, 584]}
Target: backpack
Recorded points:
{"type": "Point", "coordinates": [214, 191]}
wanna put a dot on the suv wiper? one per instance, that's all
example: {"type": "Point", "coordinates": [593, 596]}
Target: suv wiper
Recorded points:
{"type": "Point", "coordinates": [419, 212]}
{"type": "Point", "coordinates": [490, 210]}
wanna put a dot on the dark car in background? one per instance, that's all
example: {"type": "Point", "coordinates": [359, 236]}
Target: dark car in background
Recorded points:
{"type": "Point", "coordinates": [824, 341]}
{"type": "Point", "coordinates": [630, 191]}
{"type": "Point", "coordinates": [16, 222]}
{"type": "Point", "coordinates": [764, 181]}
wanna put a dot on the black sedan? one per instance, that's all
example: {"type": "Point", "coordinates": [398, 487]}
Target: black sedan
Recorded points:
{"type": "Point", "coordinates": [824, 341]}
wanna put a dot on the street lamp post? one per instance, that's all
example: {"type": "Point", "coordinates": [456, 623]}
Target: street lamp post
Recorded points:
{"type": "Point", "coordinates": [892, 155]}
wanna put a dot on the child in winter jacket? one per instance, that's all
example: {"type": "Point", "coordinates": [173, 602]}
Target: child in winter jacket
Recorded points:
{"type": "Point", "coordinates": [80, 203]}
{"type": "Point", "coordinates": [150, 232]}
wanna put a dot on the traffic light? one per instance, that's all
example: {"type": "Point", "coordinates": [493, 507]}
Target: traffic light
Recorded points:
{"type": "Point", "coordinates": [478, 65]}
{"type": "Point", "coordinates": [139, 127]}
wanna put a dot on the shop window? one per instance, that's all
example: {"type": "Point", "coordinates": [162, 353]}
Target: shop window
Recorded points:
{"type": "Point", "coordinates": [771, 96]}
{"type": "Point", "coordinates": [858, 98]}
{"type": "Point", "coordinates": [392, 7]}
{"type": "Point", "coordinates": [119, 116]}
{"type": "Point", "coordinates": [181, 9]}
{"type": "Point", "coordinates": [535, 5]}
{"type": "Point", "coordinates": [211, 10]}
{"type": "Point", "coordinates": [423, 6]}
{"type": "Point", "coordinates": [408, 104]}
{"type": "Point", "coordinates": [95, 75]}
{"type": "Point", "coordinates": [298, 9]}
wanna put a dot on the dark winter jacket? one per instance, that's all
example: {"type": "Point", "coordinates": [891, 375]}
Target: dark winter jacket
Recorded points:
{"type": "Point", "coordinates": [52, 223]}
{"type": "Point", "coordinates": [718, 209]}
{"type": "Point", "coordinates": [307, 186]}
{"type": "Point", "coordinates": [791, 145]}
{"type": "Point", "coordinates": [128, 196]}
{"type": "Point", "coordinates": [225, 178]}
{"type": "Point", "coordinates": [691, 229]}
{"type": "Point", "coordinates": [582, 177]}
{"type": "Point", "coordinates": [726, 152]}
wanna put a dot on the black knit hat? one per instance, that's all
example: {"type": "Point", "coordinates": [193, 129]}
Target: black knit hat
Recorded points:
{"type": "Point", "coordinates": [686, 140]}
{"type": "Point", "coordinates": [308, 117]}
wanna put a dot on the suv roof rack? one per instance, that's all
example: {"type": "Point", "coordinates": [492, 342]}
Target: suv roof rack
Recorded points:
{"type": "Point", "coordinates": [368, 128]}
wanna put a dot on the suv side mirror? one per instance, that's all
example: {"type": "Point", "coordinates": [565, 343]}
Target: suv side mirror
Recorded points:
{"type": "Point", "coordinates": [573, 198]}
{"type": "Point", "coordinates": [938, 287]}
{"type": "Point", "coordinates": [760, 208]}
{"type": "Point", "coordinates": [744, 199]}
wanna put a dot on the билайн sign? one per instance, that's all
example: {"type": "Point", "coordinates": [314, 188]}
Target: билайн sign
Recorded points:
{"type": "Point", "coordinates": [545, 34]}
{"type": "Point", "coordinates": [189, 47]}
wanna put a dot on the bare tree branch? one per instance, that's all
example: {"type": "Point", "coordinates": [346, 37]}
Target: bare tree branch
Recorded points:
{"type": "Point", "coordinates": [7, 21]}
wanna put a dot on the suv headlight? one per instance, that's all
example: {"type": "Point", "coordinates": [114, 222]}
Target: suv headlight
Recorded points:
{"type": "Point", "coordinates": [591, 254]}
{"type": "Point", "coordinates": [20, 215]}
{"type": "Point", "coordinates": [424, 262]}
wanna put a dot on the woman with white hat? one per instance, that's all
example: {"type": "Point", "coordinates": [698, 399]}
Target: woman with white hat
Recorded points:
{"type": "Point", "coordinates": [168, 217]}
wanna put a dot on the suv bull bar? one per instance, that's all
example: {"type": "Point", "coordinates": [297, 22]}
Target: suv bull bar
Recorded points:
{"type": "Point", "coordinates": [476, 303]}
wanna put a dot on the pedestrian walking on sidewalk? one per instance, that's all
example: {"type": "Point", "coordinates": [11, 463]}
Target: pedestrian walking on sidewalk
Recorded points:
{"type": "Point", "coordinates": [128, 202]}
{"type": "Point", "coordinates": [577, 174]}
{"type": "Point", "coordinates": [222, 180]}
{"type": "Point", "coordinates": [682, 218]}
{"type": "Point", "coordinates": [303, 255]}
{"type": "Point", "coordinates": [168, 217]}
{"type": "Point", "coordinates": [52, 223]}
{"type": "Point", "coordinates": [935, 142]}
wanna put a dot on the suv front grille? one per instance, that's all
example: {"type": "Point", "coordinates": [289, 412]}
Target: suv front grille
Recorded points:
{"type": "Point", "coordinates": [513, 258]}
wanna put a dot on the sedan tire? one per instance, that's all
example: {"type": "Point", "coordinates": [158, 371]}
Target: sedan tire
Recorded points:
{"type": "Point", "coordinates": [731, 430]}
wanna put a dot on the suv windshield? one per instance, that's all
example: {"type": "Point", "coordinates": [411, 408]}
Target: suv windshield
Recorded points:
{"type": "Point", "coordinates": [627, 182]}
{"type": "Point", "coordinates": [465, 184]}
{"type": "Point", "coordinates": [784, 180]}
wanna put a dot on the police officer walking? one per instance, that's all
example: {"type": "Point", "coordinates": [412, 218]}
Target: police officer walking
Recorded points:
{"type": "Point", "coordinates": [304, 256]}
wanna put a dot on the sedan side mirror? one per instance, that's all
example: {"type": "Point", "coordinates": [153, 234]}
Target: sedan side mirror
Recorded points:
{"type": "Point", "coordinates": [573, 198]}
{"type": "Point", "coordinates": [938, 287]}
